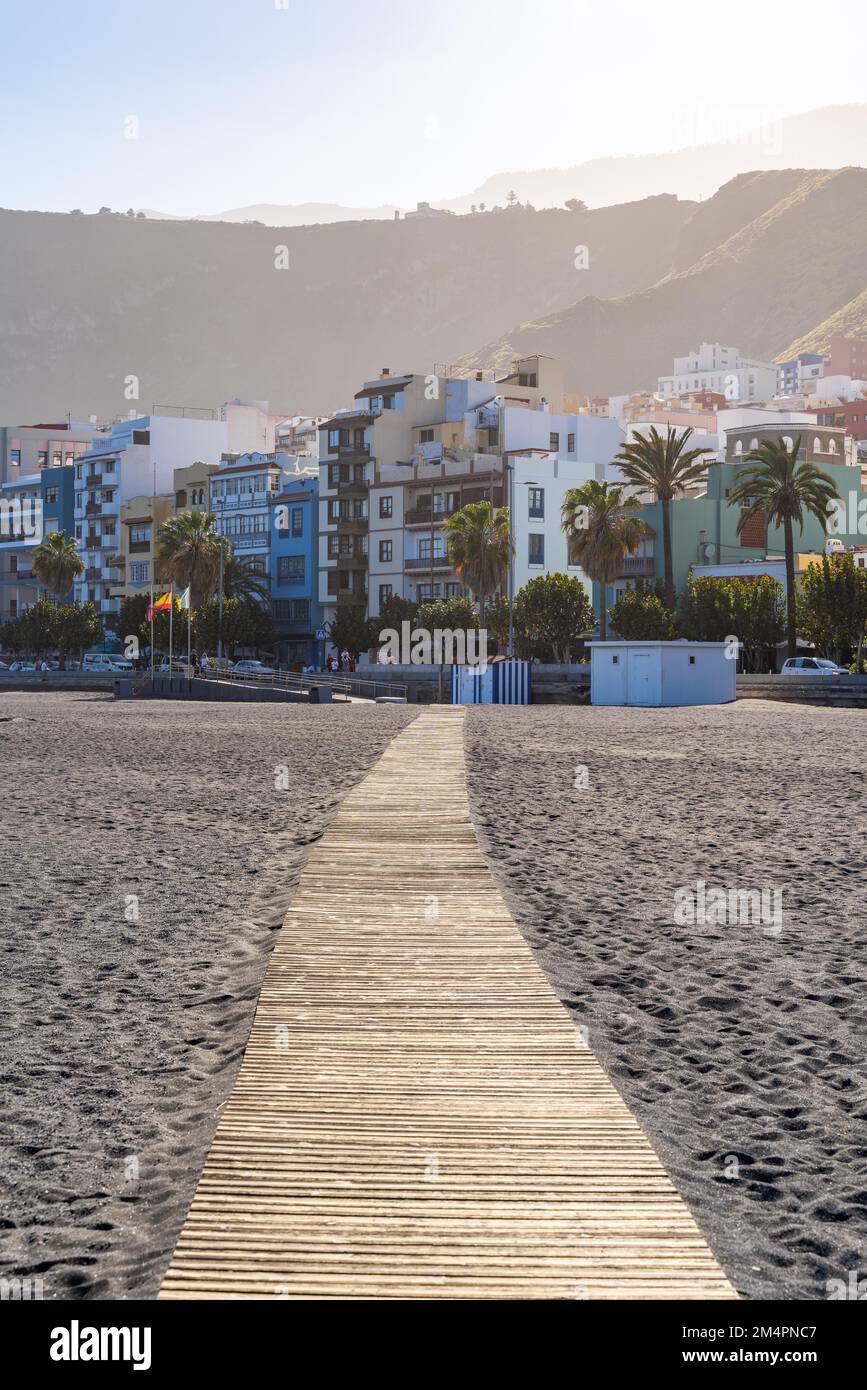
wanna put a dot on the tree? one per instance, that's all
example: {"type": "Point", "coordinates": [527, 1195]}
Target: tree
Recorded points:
{"type": "Point", "coordinates": [239, 581]}
{"type": "Point", "coordinates": [641, 616]}
{"type": "Point", "coordinates": [706, 611]}
{"type": "Point", "coordinates": [188, 552]}
{"type": "Point", "coordinates": [497, 620]}
{"type": "Point", "coordinates": [554, 609]}
{"type": "Point", "coordinates": [832, 606]}
{"type": "Point", "coordinates": [396, 610]}
{"type": "Point", "coordinates": [479, 543]}
{"type": "Point", "coordinates": [349, 630]}
{"type": "Point", "coordinates": [576, 205]}
{"type": "Point", "coordinates": [511, 197]}
{"type": "Point", "coordinates": [602, 528]}
{"type": "Point", "coordinates": [455, 614]}
{"type": "Point", "coordinates": [245, 624]}
{"type": "Point", "coordinates": [132, 617]}
{"type": "Point", "coordinates": [56, 562]}
{"type": "Point", "coordinates": [77, 626]}
{"type": "Point", "coordinates": [36, 628]}
{"type": "Point", "coordinates": [775, 485]}
{"type": "Point", "coordinates": [665, 467]}
{"type": "Point", "coordinates": [758, 609]}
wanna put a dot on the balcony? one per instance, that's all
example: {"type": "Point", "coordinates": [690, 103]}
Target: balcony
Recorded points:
{"type": "Point", "coordinates": [350, 562]}
{"type": "Point", "coordinates": [18, 576]}
{"type": "Point", "coordinates": [93, 480]}
{"type": "Point", "coordinates": [641, 565]}
{"type": "Point", "coordinates": [93, 575]}
{"type": "Point", "coordinates": [261, 540]}
{"type": "Point", "coordinates": [357, 488]}
{"type": "Point", "coordinates": [346, 451]}
{"type": "Point", "coordinates": [354, 525]}
{"type": "Point", "coordinates": [440, 562]}
{"type": "Point", "coordinates": [93, 509]}
{"type": "Point", "coordinates": [420, 516]}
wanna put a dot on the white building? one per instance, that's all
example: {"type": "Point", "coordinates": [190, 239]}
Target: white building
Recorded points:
{"type": "Point", "coordinates": [242, 495]}
{"type": "Point", "coordinates": [662, 673]}
{"type": "Point", "coordinates": [717, 368]}
{"type": "Point", "coordinates": [137, 459]}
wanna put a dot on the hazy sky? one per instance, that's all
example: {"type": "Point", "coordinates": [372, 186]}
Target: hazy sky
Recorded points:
{"type": "Point", "coordinates": [385, 101]}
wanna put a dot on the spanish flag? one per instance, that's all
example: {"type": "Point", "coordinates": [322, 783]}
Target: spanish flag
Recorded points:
{"type": "Point", "coordinates": [160, 605]}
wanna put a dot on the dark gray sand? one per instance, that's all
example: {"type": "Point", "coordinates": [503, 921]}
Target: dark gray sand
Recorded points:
{"type": "Point", "coordinates": [120, 1038]}
{"type": "Point", "coordinates": [742, 1052]}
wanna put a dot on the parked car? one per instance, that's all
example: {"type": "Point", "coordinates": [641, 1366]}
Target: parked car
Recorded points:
{"type": "Point", "coordinates": [811, 666]}
{"type": "Point", "coordinates": [23, 666]}
{"type": "Point", "coordinates": [4, 666]}
{"type": "Point", "coordinates": [253, 668]}
{"type": "Point", "coordinates": [97, 661]}
{"type": "Point", "coordinates": [120, 663]}
{"type": "Point", "coordinates": [174, 667]}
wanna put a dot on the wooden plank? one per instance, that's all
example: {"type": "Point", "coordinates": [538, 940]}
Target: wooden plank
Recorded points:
{"type": "Point", "coordinates": [415, 1115]}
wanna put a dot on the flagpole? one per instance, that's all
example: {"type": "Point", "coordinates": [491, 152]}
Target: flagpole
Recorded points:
{"type": "Point", "coordinates": [153, 575]}
{"type": "Point", "coordinates": [189, 626]}
{"type": "Point", "coordinates": [171, 615]}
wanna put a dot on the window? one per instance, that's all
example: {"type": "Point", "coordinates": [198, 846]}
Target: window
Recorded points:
{"type": "Point", "coordinates": [385, 593]}
{"type": "Point", "coordinates": [386, 506]}
{"type": "Point", "coordinates": [692, 661]}
{"type": "Point", "coordinates": [615, 660]}
{"type": "Point", "coordinates": [56, 459]}
{"type": "Point", "coordinates": [141, 436]}
{"type": "Point", "coordinates": [426, 437]}
{"type": "Point", "coordinates": [51, 494]}
{"type": "Point", "coordinates": [42, 458]}
{"type": "Point", "coordinates": [139, 535]}
{"type": "Point", "coordinates": [79, 472]}
{"type": "Point", "coordinates": [333, 440]}
{"type": "Point", "coordinates": [536, 555]}
{"type": "Point", "coordinates": [290, 569]}
{"type": "Point", "coordinates": [570, 444]}
{"type": "Point", "coordinates": [297, 521]}
{"type": "Point", "coordinates": [139, 572]}
{"type": "Point", "coordinates": [555, 442]}
{"type": "Point", "coordinates": [385, 550]}
{"type": "Point", "coordinates": [453, 590]}
{"type": "Point", "coordinates": [537, 502]}
{"type": "Point", "coordinates": [15, 457]}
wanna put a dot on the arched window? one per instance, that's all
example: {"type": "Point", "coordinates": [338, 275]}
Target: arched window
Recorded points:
{"type": "Point", "coordinates": [788, 441]}
{"type": "Point", "coordinates": [754, 444]}
{"type": "Point", "coordinates": [817, 445]}
{"type": "Point", "coordinates": [832, 446]}
{"type": "Point", "coordinates": [739, 447]}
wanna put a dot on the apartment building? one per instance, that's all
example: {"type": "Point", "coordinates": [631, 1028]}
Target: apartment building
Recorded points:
{"type": "Point", "coordinates": [848, 357]}
{"type": "Point", "coordinates": [717, 368]}
{"type": "Point", "coordinates": [294, 579]}
{"type": "Point", "coordinates": [31, 506]}
{"type": "Point", "coordinates": [299, 434]}
{"type": "Point", "coordinates": [27, 449]}
{"type": "Point", "coordinates": [134, 563]}
{"type": "Point", "coordinates": [136, 460]}
{"type": "Point", "coordinates": [418, 448]}
{"type": "Point", "coordinates": [849, 416]}
{"type": "Point", "coordinates": [798, 376]}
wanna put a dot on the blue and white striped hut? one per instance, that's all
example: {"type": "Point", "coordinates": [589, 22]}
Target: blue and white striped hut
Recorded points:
{"type": "Point", "coordinates": [499, 683]}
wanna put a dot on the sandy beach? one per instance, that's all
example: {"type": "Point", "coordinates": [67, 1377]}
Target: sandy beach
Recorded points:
{"type": "Point", "coordinates": [149, 859]}
{"type": "Point", "coordinates": [741, 1050]}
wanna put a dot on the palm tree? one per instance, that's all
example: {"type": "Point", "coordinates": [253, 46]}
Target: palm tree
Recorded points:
{"type": "Point", "coordinates": [666, 467]}
{"type": "Point", "coordinates": [239, 581]}
{"type": "Point", "coordinates": [478, 544]}
{"type": "Point", "coordinates": [603, 528]}
{"type": "Point", "coordinates": [782, 489]}
{"type": "Point", "coordinates": [188, 552]}
{"type": "Point", "coordinates": [56, 562]}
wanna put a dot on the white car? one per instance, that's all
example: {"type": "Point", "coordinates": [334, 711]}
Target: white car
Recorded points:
{"type": "Point", "coordinates": [23, 666]}
{"type": "Point", "coordinates": [120, 663]}
{"type": "Point", "coordinates": [811, 666]}
{"type": "Point", "coordinates": [253, 668]}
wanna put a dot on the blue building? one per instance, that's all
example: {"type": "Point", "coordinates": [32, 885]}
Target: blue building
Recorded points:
{"type": "Point", "coordinates": [31, 507]}
{"type": "Point", "coordinates": [294, 571]}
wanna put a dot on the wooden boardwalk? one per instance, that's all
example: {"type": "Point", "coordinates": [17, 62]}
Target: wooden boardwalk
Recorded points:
{"type": "Point", "coordinates": [415, 1115]}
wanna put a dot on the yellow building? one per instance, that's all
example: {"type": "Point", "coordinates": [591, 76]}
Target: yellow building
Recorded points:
{"type": "Point", "coordinates": [191, 486]}
{"type": "Point", "coordinates": [140, 519]}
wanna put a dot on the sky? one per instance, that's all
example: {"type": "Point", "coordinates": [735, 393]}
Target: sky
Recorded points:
{"type": "Point", "coordinates": [199, 106]}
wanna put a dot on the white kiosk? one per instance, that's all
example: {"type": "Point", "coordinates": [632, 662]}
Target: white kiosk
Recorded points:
{"type": "Point", "coordinates": [662, 673]}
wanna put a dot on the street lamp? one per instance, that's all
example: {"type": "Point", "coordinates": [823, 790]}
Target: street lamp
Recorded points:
{"type": "Point", "coordinates": [222, 501]}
